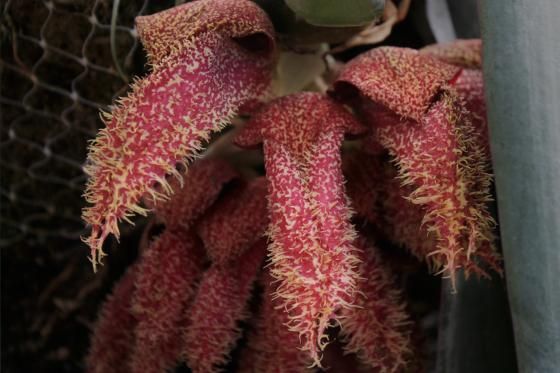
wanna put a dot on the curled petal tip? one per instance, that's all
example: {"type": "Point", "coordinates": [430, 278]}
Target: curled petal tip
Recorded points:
{"type": "Point", "coordinates": [392, 76]}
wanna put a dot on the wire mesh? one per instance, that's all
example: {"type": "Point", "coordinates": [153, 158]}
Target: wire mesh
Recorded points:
{"type": "Point", "coordinates": [57, 72]}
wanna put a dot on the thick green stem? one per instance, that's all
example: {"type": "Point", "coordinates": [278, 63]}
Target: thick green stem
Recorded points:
{"type": "Point", "coordinates": [522, 76]}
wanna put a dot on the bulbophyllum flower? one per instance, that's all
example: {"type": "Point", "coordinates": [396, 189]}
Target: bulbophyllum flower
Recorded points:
{"type": "Point", "coordinates": [311, 253]}
{"type": "Point", "coordinates": [236, 222]}
{"type": "Point", "coordinates": [208, 58]}
{"type": "Point", "coordinates": [220, 305]}
{"type": "Point", "coordinates": [409, 100]}
{"type": "Point", "coordinates": [166, 282]}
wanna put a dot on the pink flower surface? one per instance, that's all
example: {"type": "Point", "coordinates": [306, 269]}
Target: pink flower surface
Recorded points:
{"type": "Point", "coordinates": [271, 347]}
{"type": "Point", "coordinates": [235, 222]}
{"type": "Point", "coordinates": [377, 329]}
{"type": "Point", "coordinates": [167, 279]}
{"type": "Point", "coordinates": [220, 305]}
{"type": "Point", "coordinates": [193, 195]}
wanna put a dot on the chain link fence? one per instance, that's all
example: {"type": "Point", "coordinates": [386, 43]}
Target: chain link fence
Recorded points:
{"type": "Point", "coordinates": [58, 71]}
{"type": "Point", "coordinates": [61, 62]}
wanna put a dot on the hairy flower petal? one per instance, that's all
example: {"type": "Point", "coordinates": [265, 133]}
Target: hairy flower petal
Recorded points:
{"type": "Point", "coordinates": [235, 222]}
{"type": "Point", "coordinates": [377, 328]}
{"type": "Point", "coordinates": [271, 347]}
{"type": "Point", "coordinates": [200, 188]}
{"type": "Point", "coordinates": [311, 252]}
{"type": "Point", "coordinates": [113, 337]}
{"type": "Point", "coordinates": [165, 284]}
{"type": "Point", "coordinates": [436, 146]}
{"type": "Point", "coordinates": [198, 82]}
{"type": "Point", "coordinates": [220, 304]}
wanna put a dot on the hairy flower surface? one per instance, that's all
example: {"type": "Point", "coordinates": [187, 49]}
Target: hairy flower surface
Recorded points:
{"type": "Point", "coordinates": [200, 188]}
{"type": "Point", "coordinates": [168, 274]}
{"type": "Point", "coordinates": [236, 222]}
{"type": "Point", "coordinates": [416, 114]}
{"type": "Point", "coordinates": [219, 306]}
{"type": "Point", "coordinates": [113, 340]}
{"type": "Point", "coordinates": [271, 347]}
{"type": "Point", "coordinates": [377, 329]}
{"type": "Point", "coordinates": [311, 251]}
{"type": "Point", "coordinates": [208, 58]}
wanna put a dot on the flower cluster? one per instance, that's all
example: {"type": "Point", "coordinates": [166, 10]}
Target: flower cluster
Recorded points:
{"type": "Point", "coordinates": [418, 176]}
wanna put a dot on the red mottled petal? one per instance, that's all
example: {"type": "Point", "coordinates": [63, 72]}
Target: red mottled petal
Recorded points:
{"type": "Point", "coordinates": [311, 249]}
{"type": "Point", "coordinates": [201, 187]}
{"type": "Point", "coordinates": [438, 150]}
{"type": "Point", "coordinates": [170, 114]}
{"type": "Point", "coordinates": [463, 53]}
{"type": "Point", "coordinates": [166, 282]}
{"type": "Point", "coordinates": [236, 222]}
{"type": "Point", "coordinates": [377, 329]}
{"type": "Point", "coordinates": [113, 337]}
{"type": "Point", "coordinates": [220, 304]}
{"type": "Point", "coordinates": [400, 79]}
{"type": "Point", "coordinates": [271, 347]}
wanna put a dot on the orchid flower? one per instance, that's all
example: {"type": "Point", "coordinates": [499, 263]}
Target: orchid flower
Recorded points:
{"type": "Point", "coordinates": [311, 250]}
{"type": "Point", "coordinates": [410, 102]}
{"type": "Point", "coordinates": [208, 58]}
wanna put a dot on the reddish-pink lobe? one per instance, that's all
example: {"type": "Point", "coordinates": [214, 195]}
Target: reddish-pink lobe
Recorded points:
{"type": "Point", "coordinates": [201, 187]}
{"type": "Point", "coordinates": [311, 251]}
{"type": "Point", "coordinates": [400, 79]}
{"type": "Point", "coordinates": [207, 60]}
{"type": "Point", "coordinates": [430, 134]}
{"type": "Point", "coordinates": [235, 222]}
{"type": "Point", "coordinates": [168, 274]}
{"type": "Point", "coordinates": [271, 347]}
{"type": "Point", "coordinates": [113, 337]}
{"type": "Point", "coordinates": [403, 225]}
{"type": "Point", "coordinates": [220, 304]}
{"type": "Point", "coordinates": [377, 329]}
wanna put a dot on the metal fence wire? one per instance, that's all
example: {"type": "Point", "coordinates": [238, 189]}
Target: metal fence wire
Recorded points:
{"type": "Point", "coordinates": [57, 71]}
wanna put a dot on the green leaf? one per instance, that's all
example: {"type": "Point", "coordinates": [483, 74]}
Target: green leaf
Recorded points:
{"type": "Point", "coordinates": [336, 13]}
